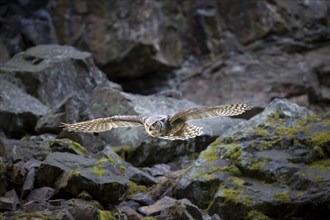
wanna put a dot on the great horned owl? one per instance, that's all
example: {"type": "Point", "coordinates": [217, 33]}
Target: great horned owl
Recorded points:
{"type": "Point", "coordinates": [172, 127]}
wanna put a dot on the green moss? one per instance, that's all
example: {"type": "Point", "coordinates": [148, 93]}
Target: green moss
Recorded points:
{"type": "Point", "coordinates": [248, 200]}
{"type": "Point", "coordinates": [322, 165]}
{"type": "Point", "coordinates": [283, 197]}
{"type": "Point", "coordinates": [320, 138]}
{"type": "Point", "coordinates": [210, 154]}
{"type": "Point", "coordinates": [256, 215]}
{"type": "Point", "coordinates": [258, 165]}
{"type": "Point", "coordinates": [325, 122]}
{"type": "Point", "coordinates": [76, 147]}
{"type": "Point", "coordinates": [205, 176]}
{"type": "Point", "coordinates": [99, 169]}
{"type": "Point", "coordinates": [261, 131]}
{"type": "Point", "coordinates": [75, 172]}
{"type": "Point", "coordinates": [232, 195]}
{"type": "Point", "coordinates": [234, 152]}
{"type": "Point", "coordinates": [232, 169]}
{"type": "Point", "coordinates": [237, 181]}
{"type": "Point", "coordinates": [289, 132]}
{"type": "Point", "coordinates": [33, 216]}
{"type": "Point", "coordinates": [124, 152]}
{"type": "Point", "coordinates": [106, 215]}
{"type": "Point", "coordinates": [317, 152]}
{"type": "Point", "coordinates": [134, 189]}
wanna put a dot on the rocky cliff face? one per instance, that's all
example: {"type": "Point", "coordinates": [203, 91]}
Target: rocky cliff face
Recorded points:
{"type": "Point", "coordinates": [160, 57]}
{"type": "Point", "coordinates": [224, 50]}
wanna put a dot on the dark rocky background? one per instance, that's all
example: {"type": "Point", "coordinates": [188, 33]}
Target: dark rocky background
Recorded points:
{"type": "Point", "coordinates": [68, 61]}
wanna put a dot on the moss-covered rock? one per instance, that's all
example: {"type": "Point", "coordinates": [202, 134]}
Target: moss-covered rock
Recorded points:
{"type": "Point", "coordinates": [278, 157]}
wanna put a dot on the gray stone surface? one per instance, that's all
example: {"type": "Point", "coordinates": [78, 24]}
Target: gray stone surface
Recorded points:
{"type": "Point", "coordinates": [19, 111]}
{"type": "Point", "coordinates": [71, 173]}
{"type": "Point", "coordinates": [278, 158]}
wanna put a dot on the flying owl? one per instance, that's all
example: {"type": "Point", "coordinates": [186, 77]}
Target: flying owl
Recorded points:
{"type": "Point", "coordinates": [172, 127]}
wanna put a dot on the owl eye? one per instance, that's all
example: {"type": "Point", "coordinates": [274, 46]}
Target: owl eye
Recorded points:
{"type": "Point", "coordinates": [156, 125]}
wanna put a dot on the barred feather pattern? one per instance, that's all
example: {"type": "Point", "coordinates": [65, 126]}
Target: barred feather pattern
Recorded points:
{"type": "Point", "coordinates": [171, 127]}
{"type": "Point", "coordinates": [102, 124]}
{"type": "Point", "coordinates": [210, 111]}
{"type": "Point", "coordinates": [188, 131]}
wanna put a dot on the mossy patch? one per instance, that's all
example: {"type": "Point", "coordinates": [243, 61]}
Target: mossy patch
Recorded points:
{"type": "Point", "coordinates": [99, 169]}
{"type": "Point", "coordinates": [259, 164]}
{"type": "Point", "coordinates": [282, 197]}
{"type": "Point", "coordinates": [234, 152]}
{"type": "Point", "coordinates": [232, 195]}
{"type": "Point", "coordinates": [237, 181]}
{"type": "Point", "coordinates": [204, 176]}
{"type": "Point", "coordinates": [75, 172]}
{"type": "Point", "coordinates": [261, 131]}
{"type": "Point", "coordinates": [210, 154]}
{"type": "Point", "coordinates": [34, 216]}
{"type": "Point", "coordinates": [74, 146]}
{"type": "Point", "coordinates": [106, 215]}
{"type": "Point", "coordinates": [134, 189]}
{"type": "Point", "coordinates": [320, 138]}
{"type": "Point", "coordinates": [232, 169]}
{"type": "Point", "coordinates": [124, 152]}
{"type": "Point", "coordinates": [322, 165]}
{"type": "Point", "coordinates": [256, 215]}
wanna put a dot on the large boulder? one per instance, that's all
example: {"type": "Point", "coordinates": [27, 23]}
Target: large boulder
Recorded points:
{"type": "Point", "coordinates": [11, 149]}
{"type": "Point", "coordinates": [73, 174]}
{"type": "Point", "coordinates": [279, 158]}
{"type": "Point", "coordinates": [53, 73]}
{"type": "Point", "coordinates": [19, 111]}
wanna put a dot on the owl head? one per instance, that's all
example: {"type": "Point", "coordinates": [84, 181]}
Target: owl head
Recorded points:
{"type": "Point", "coordinates": [156, 126]}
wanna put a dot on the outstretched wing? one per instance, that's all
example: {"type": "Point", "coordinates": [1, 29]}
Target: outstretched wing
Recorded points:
{"type": "Point", "coordinates": [210, 111]}
{"type": "Point", "coordinates": [104, 124]}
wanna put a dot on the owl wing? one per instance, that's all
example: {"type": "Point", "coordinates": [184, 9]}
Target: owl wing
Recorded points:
{"type": "Point", "coordinates": [104, 124]}
{"type": "Point", "coordinates": [210, 111]}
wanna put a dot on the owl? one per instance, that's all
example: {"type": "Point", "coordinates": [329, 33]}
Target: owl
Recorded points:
{"type": "Point", "coordinates": [172, 127]}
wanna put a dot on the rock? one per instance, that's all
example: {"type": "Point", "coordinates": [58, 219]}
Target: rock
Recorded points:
{"type": "Point", "coordinates": [177, 209]}
{"type": "Point", "coordinates": [138, 147]}
{"type": "Point", "coordinates": [71, 173]}
{"type": "Point", "coordinates": [32, 163]}
{"type": "Point", "coordinates": [41, 210]}
{"type": "Point", "coordinates": [15, 174]}
{"type": "Point", "coordinates": [26, 150]}
{"type": "Point", "coordinates": [19, 111]}
{"type": "Point", "coordinates": [138, 176]}
{"type": "Point", "coordinates": [3, 179]}
{"type": "Point", "coordinates": [128, 212]}
{"type": "Point", "coordinates": [146, 43]}
{"type": "Point", "coordinates": [143, 198]}
{"type": "Point", "coordinates": [41, 194]}
{"type": "Point", "coordinates": [67, 145]}
{"type": "Point", "coordinates": [9, 201]}
{"type": "Point", "coordinates": [158, 170]}
{"type": "Point", "coordinates": [54, 73]}
{"type": "Point", "coordinates": [81, 209]}
{"type": "Point", "coordinates": [33, 25]}
{"type": "Point", "coordinates": [290, 76]}
{"type": "Point", "coordinates": [28, 183]}
{"type": "Point", "coordinates": [278, 158]}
